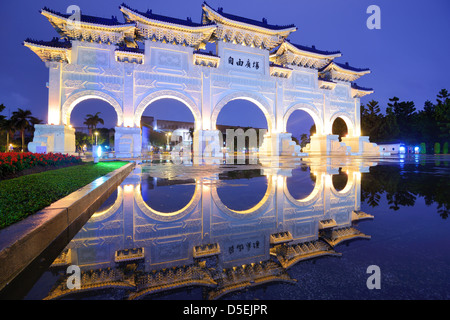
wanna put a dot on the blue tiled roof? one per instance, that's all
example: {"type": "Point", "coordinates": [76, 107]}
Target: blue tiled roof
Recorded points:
{"type": "Point", "coordinates": [89, 19]}
{"type": "Point", "coordinates": [206, 53]}
{"type": "Point", "coordinates": [355, 86]}
{"type": "Point", "coordinates": [314, 50]}
{"type": "Point", "coordinates": [345, 66]}
{"type": "Point", "coordinates": [53, 43]}
{"type": "Point", "coordinates": [134, 50]}
{"type": "Point", "coordinates": [263, 23]}
{"type": "Point", "coordinates": [150, 15]}
{"type": "Point", "coordinates": [348, 67]}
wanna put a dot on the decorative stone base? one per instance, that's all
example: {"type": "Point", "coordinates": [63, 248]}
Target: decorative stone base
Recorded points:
{"type": "Point", "coordinates": [127, 142]}
{"type": "Point", "coordinates": [362, 146]}
{"type": "Point", "coordinates": [207, 146]}
{"type": "Point", "coordinates": [330, 145]}
{"type": "Point", "coordinates": [326, 145]}
{"type": "Point", "coordinates": [53, 138]}
{"type": "Point", "coordinates": [279, 144]}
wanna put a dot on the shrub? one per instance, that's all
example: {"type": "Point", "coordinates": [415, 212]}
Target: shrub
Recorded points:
{"type": "Point", "coordinates": [12, 162]}
{"type": "Point", "coordinates": [423, 148]}
{"type": "Point", "coordinates": [437, 148]}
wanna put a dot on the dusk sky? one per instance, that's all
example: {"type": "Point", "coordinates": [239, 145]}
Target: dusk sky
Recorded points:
{"type": "Point", "coordinates": [408, 56]}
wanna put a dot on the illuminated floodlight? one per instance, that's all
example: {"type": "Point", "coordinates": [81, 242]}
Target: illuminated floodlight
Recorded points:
{"type": "Point", "coordinates": [99, 151]}
{"type": "Point", "coordinates": [416, 149]}
{"type": "Point", "coordinates": [402, 149]}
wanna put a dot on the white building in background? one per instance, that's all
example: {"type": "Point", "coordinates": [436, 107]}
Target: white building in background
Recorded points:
{"type": "Point", "coordinates": [392, 148]}
{"type": "Point", "coordinates": [101, 59]}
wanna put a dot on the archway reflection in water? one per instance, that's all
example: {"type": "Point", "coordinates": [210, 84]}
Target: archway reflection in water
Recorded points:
{"type": "Point", "coordinates": [136, 248]}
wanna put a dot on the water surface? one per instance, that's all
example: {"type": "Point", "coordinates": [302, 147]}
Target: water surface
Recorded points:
{"type": "Point", "coordinates": [303, 230]}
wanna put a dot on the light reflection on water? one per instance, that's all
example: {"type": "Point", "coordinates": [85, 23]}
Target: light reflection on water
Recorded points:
{"type": "Point", "coordinates": [222, 230]}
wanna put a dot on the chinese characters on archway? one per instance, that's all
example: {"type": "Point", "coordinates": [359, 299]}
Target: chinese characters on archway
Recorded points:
{"type": "Point", "coordinates": [243, 247]}
{"type": "Point", "coordinates": [244, 63]}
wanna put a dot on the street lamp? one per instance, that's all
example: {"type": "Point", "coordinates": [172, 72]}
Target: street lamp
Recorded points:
{"type": "Point", "coordinates": [168, 137]}
{"type": "Point", "coordinates": [96, 135]}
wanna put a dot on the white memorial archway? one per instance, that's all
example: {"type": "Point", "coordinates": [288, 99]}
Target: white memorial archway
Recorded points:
{"type": "Point", "coordinates": [101, 58]}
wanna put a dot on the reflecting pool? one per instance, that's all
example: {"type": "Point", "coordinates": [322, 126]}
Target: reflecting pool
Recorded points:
{"type": "Point", "coordinates": [304, 229]}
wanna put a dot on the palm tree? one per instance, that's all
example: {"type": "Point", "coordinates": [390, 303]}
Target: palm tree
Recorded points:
{"type": "Point", "coordinates": [23, 120]}
{"type": "Point", "coordinates": [92, 121]}
{"type": "Point", "coordinates": [2, 107]}
{"type": "Point", "coordinates": [9, 126]}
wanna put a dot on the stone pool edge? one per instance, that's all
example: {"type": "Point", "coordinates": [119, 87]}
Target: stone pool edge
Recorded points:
{"type": "Point", "coordinates": [25, 240]}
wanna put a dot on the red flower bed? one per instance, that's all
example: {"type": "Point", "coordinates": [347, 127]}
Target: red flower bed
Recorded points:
{"type": "Point", "coordinates": [12, 162]}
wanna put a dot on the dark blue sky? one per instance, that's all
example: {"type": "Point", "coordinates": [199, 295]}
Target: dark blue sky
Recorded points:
{"type": "Point", "coordinates": [408, 56]}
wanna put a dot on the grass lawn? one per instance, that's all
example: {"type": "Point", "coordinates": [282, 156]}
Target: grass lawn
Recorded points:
{"type": "Point", "coordinates": [26, 195]}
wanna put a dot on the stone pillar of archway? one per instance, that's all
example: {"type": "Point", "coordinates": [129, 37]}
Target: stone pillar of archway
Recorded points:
{"type": "Point", "coordinates": [359, 144]}
{"type": "Point", "coordinates": [326, 145]}
{"type": "Point", "coordinates": [279, 144]}
{"type": "Point", "coordinates": [127, 142]}
{"type": "Point", "coordinates": [54, 136]}
{"type": "Point", "coordinates": [207, 146]}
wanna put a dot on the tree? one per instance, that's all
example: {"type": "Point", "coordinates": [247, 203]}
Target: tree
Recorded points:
{"type": "Point", "coordinates": [389, 129]}
{"type": "Point", "coordinates": [403, 112]}
{"type": "Point", "coordinates": [371, 120]}
{"type": "Point", "coordinates": [92, 120]}
{"type": "Point", "coordinates": [442, 114]}
{"type": "Point", "coordinates": [23, 120]}
{"type": "Point", "coordinates": [2, 107]}
{"type": "Point", "coordinates": [425, 123]}
{"type": "Point", "coordinates": [304, 140]}
{"type": "Point", "coordinates": [9, 127]}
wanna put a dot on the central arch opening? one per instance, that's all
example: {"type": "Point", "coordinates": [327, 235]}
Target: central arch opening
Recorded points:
{"type": "Point", "coordinates": [339, 128]}
{"type": "Point", "coordinates": [339, 180]}
{"type": "Point", "coordinates": [246, 115]}
{"type": "Point", "coordinates": [94, 121]}
{"type": "Point", "coordinates": [301, 183]}
{"type": "Point", "coordinates": [167, 123]}
{"type": "Point", "coordinates": [302, 126]}
{"type": "Point", "coordinates": [242, 190]}
{"type": "Point", "coordinates": [167, 196]}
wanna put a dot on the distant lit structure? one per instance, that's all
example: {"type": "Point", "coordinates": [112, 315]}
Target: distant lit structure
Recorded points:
{"type": "Point", "coordinates": [398, 148]}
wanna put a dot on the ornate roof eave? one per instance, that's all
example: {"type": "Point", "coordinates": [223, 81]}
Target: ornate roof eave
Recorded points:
{"type": "Point", "coordinates": [287, 46]}
{"type": "Point", "coordinates": [339, 235]}
{"type": "Point", "coordinates": [49, 53]}
{"type": "Point", "coordinates": [207, 60]}
{"type": "Point", "coordinates": [213, 15]}
{"type": "Point", "coordinates": [195, 35]}
{"type": "Point", "coordinates": [359, 92]}
{"type": "Point", "coordinates": [123, 55]}
{"type": "Point", "coordinates": [133, 15]}
{"type": "Point", "coordinates": [279, 71]}
{"type": "Point", "coordinates": [289, 54]}
{"type": "Point", "coordinates": [107, 31]}
{"type": "Point", "coordinates": [326, 84]}
{"type": "Point", "coordinates": [58, 20]}
{"type": "Point", "coordinates": [343, 73]}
